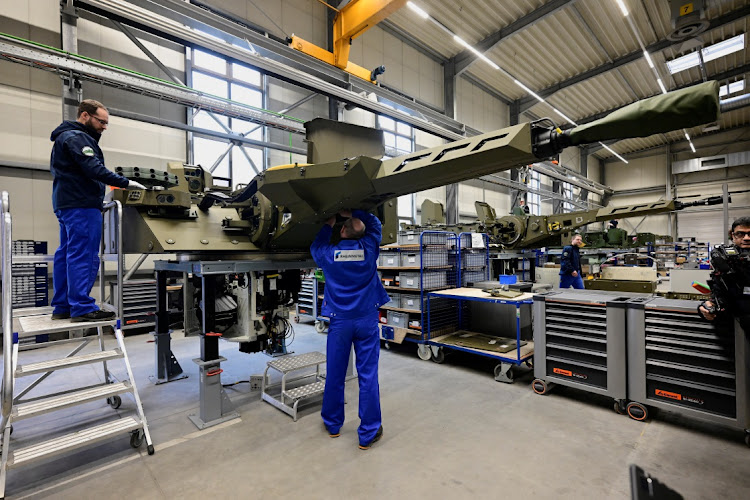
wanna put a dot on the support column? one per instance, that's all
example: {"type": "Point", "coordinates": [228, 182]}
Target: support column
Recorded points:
{"type": "Point", "coordinates": [71, 87]}
{"type": "Point", "coordinates": [333, 104]}
{"type": "Point", "coordinates": [670, 194]}
{"type": "Point", "coordinates": [168, 369]}
{"type": "Point", "coordinates": [449, 104]}
{"type": "Point", "coordinates": [215, 406]}
{"type": "Point", "coordinates": [584, 166]}
{"type": "Point", "coordinates": [557, 204]}
{"type": "Point", "coordinates": [513, 118]}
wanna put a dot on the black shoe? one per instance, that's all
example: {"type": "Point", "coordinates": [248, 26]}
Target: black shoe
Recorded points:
{"type": "Point", "coordinates": [60, 315]}
{"type": "Point", "coordinates": [377, 437]}
{"type": "Point", "coordinates": [95, 316]}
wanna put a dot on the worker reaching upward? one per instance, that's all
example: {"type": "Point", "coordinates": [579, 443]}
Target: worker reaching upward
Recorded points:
{"type": "Point", "coordinates": [352, 296]}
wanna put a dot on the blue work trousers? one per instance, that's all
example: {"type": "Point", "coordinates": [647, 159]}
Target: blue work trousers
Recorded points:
{"type": "Point", "coordinates": [566, 281]}
{"type": "Point", "coordinates": [76, 260]}
{"type": "Point", "coordinates": [363, 333]}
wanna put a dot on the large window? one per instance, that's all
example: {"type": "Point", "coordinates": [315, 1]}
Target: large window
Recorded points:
{"type": "Point", "coordinates": [567, 192]}
{"type": "Point", "coordinates": [534, 200]}
{"type": "Point", "coordinates": [399, 140]}
{"type": "Point", "coordinates": [216, 76]}
{"type": "Point", "coordinates": [398, 136]}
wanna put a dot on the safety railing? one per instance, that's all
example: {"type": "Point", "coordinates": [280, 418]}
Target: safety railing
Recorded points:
{"type": "Point", "coordinates": [112, 209]}
{"type": "Point", "coordinates": [7, 314]}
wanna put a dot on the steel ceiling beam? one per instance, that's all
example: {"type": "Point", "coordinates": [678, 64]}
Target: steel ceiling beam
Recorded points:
{"type": "Point", "coordinates": [187, 25]}
{"type": "Point", "coordinates": [728, 18]}
{"type": "Point", "coordinates": [466, 58]}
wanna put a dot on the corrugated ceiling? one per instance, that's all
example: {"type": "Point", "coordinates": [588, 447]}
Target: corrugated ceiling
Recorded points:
{"type": "Point", "coordinates": [580, 36]}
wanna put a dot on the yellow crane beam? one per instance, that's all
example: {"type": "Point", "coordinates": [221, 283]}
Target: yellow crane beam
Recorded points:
{"type": "Point", "coordinates": [352, 21]}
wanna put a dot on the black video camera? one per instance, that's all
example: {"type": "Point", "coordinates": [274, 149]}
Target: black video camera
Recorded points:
{"type": "Point", "coordinates": [730, 282]}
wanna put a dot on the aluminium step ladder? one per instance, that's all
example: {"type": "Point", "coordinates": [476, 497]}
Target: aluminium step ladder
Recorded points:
{"type": "Point", "coordinates": [286, 365]}
{"type": "Point", "coordinates": [27, 323]}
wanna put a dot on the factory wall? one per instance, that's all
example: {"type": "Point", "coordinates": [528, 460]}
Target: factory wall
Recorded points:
{"type": "Point", "coordinates": [32, 98]}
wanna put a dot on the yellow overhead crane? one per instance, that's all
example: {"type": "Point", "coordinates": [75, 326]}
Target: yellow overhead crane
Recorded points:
{"type": "Point", "coordinates": [351, 21]}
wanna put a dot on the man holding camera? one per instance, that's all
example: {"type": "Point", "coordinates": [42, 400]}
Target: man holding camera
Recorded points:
{"type": "Point", "coordinates": [730, 277]}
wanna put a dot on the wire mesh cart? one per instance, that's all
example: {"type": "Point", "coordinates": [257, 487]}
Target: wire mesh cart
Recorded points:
{"type": "Point", "coordinates": [580, 342]}
{"type": "Point", "coordinates": [680, 363]}
{"type": "Point", "coordinates": [421, 262]}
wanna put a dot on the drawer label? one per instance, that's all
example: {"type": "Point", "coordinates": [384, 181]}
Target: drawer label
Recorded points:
{"type": "Point", "coordinates": [667, 394]}
{"type": "Point", "coordinates": [560, 371]}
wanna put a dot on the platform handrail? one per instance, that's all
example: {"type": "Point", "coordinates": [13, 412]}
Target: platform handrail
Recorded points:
{"type": "Point", "coordinates": [7, 314]}
{"type": "Point", "coordinates": [117, 207]}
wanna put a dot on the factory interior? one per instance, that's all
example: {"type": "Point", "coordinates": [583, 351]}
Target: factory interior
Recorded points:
{"type": "Point", "coordinates": [375, 249]}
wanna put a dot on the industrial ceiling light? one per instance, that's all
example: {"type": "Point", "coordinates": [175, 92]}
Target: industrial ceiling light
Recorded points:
{"type": "Point", "coordinates": [721, 49]}
{"type": "Point", "coordinates": [624, 9]}
{"type": "Point", "coordinates": [613, 152]}
{"type": "Point", "coordinates": [527, 89]}
{"type": "Point", "coordinates": [710, 53]}
{"type": "Point", "coordinates": [475, 51]}
{"type": "Point", "coordinates": [421, 13]}
{"type": "Point", "coordinates": [661, 86]}
{"type": "Point", "coordinates": [648, 59]}
{"type": "Point", "coordinates": [731, 88]}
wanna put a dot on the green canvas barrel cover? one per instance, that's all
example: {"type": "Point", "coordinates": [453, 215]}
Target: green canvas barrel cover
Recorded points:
{"type": "Point", "coordinates": [684, 108]}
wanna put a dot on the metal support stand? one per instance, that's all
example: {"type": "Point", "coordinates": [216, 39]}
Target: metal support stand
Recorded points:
{"type": "Point", "coordinates": [168, 369]}
{"type": "Point", "coordinates": [215, 406]}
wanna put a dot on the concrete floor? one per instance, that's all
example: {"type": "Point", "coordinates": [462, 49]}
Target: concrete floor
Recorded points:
{"type": "Point", "coordinates": [451, 431]}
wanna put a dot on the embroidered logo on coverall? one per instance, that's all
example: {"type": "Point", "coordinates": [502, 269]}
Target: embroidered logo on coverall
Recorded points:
{"type": "Point", "coordinates": [348, 255]}
{"type": "Point", "coordinates": [88, 151]}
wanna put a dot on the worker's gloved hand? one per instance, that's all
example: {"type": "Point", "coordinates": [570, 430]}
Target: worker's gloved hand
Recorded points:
{"type": "Point", "coordinates": [135, 185]}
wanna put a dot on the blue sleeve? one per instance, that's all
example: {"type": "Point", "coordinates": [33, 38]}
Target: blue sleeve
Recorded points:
{"type": "Point", "coordinates": [373, 230]}
{"type": "Point", "coordinates": [320, 245]}
{"type": "Point", "coordinates": [566, 261]}
{"type": "Point", "coordinates": [92, 166]}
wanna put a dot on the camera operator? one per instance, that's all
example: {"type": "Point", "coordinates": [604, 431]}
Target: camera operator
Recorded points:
{"type": "Point", "coordinates": [730, 277]}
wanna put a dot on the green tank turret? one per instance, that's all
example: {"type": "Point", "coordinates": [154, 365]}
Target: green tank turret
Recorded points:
{"type": "Point", "coordinates": [281, 209]}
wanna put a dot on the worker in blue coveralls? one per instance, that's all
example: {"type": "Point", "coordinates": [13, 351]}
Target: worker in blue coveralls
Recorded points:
{"type": "Point", "coordinates": [352, 296]}
{"type": "Point", "coordinates": [78, 180]}
{"type": "Point", "coordinates": [570, 264]}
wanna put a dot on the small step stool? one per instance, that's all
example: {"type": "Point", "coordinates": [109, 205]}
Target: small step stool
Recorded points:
{"type": "Point", "coordinates": [286, 365]}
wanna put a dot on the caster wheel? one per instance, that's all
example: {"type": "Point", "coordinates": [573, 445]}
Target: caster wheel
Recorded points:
{"type": "Point", "coordinates": [115, 402]}
{"type": "Point", "coordinates": [296, 319]}
{"type": "Point", "coordinates": [320, 327]}
{"type": "Point", "coordinates": [387, 346]}
{"type": "Point", "coordinates": [539, 386]}
{"type": "Point", "coordinates": [506, 377]}
{"type": "Point", "coordinates": [530, 363]}
{"type": "Point", "coordinates": [150, 449]}
{"type": "Point", "coordinates": [424, 352]}
{"type": "Point", "coordinates": [637, 411]}
{"type": "Point", "coordinates": [136, 439]}
{"type": "Point", "coordinates": [747, 438]}
{"type": "Point", "coordinates": [619, 408]}
{"type": "Point", "coordinates": [438, 356]}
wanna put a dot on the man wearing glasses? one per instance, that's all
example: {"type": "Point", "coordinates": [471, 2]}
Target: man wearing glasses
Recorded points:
{"type": "Point", "coordinates": [730, 277]}
{"type": "Point", "coordinates": [79, 177]}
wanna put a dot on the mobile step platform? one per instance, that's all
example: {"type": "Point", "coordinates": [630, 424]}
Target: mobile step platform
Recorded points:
{"type": "Point", "coordinates": [288, 399]}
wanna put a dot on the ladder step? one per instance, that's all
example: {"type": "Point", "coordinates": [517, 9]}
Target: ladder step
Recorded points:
{"type": "Point", "coordinates": [288, 363]}
{"type": "Point", "coordinates": [46, 405]}
{"type": "Point", "coordinates": [57, 364]}
{"type": "Point", "coordinates": [72, 441]}
{"type": "Point", "coordinates": [306, 390]}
